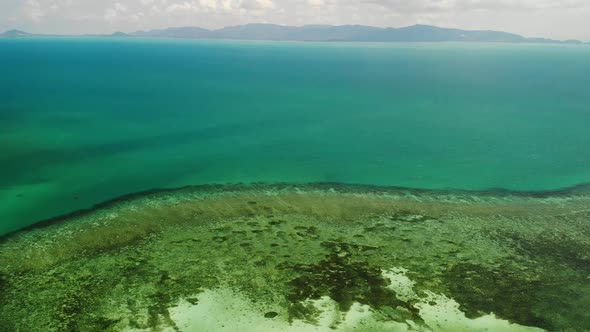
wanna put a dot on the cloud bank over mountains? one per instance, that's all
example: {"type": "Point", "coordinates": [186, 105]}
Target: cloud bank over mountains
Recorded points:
{"type": "Point", "coordinates": [561, 19]}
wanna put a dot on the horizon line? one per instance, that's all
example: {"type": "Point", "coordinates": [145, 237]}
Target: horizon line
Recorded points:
{"type": "Point", "coordinates": [130, 33]}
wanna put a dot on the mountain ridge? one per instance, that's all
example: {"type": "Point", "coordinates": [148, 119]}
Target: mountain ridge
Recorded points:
{"type": "Point", "coordinates": [325, 33]}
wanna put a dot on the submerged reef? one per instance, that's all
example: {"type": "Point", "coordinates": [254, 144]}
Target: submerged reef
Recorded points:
{"type": "Point", "coordinates": [316, 257]}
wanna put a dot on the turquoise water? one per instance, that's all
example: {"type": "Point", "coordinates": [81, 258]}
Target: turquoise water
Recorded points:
{"type": "Point", "coordinates": [86, 120]}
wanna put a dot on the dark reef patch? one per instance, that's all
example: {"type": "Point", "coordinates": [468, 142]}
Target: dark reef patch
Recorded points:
{"type": "Point", "coordinates": [271, 314]}
{"type": "Point", "coordinates": [79, 296]}
{"type": "Point", "coordinates": [343, 279]}
{"type": "Point", "coordinates": [555, 249]}
{"type": "Point", "coordinates": [307, 232]}
{"type": "Point", "coordinates": [103, 324]}
{"type": "Point", "coordinates": [481, 290]}
{"type": "Point", "coordinates": [303, 311]}
{"type": "Point", "coordinates": [3, 284]}
{"type": "Point", "coordinates": [276, 222]}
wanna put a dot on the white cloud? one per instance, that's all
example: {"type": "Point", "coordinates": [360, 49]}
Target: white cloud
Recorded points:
{"type": "Point", "coordinates": [33, 11]}
{"type": "Point", "coordinates": [421, 6]}
{"type": "Point", "coordinates": [258, 4]}
{"type": "Point", "coordinates": [117, 11]}
{"type": "Point", "coordinates": [218, 5]}
{"type": "Point", "coordinates": [211, 4]}
{"type": "Point", "coordinates": [316, 2]}
{"type": "Point", "coordinates": [548, 18]}
{"type": "Point", "coordinates": [182, 7]}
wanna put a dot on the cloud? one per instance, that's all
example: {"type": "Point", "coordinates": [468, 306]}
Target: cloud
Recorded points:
{"type": "Point", "coordinates": [115, 11]}
{"type": "Point", "coordinates": [118, 12]}
{"type": "Point", "coordinates": [183, 7]}
{"type": "Point", "coordinates": [318, 4]}
{"type": "Point", "coordinates": [548, 18]}
{"type": "Point", "coordinates": [33, 10]}
{"type": "Point", "coordinates": [257, 4]}
{"type": "Point", "coordinates": [423, 6]}
{"type": "Point", "coordinates": [217, 5]}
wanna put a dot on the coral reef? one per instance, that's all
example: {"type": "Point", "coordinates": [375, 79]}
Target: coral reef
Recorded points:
{"type": "Point", "coordinates": [303, 256]}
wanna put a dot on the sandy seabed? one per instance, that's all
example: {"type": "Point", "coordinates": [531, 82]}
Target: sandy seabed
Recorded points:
{"type": "Point", "coordinates": [315, 257]}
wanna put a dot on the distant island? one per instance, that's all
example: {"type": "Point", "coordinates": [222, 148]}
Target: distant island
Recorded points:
{"type": "Point", "coordinates": [325, 33]}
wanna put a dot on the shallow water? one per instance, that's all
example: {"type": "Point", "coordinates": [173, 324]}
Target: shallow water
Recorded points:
{"type": "Point", "coordinates": [87, 120]}
{"type": "Point", "coordinates": [305, 258]}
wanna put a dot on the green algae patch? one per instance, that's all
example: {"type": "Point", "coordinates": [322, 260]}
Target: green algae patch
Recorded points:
{"type": "Point", "coordinates": [313, 257]}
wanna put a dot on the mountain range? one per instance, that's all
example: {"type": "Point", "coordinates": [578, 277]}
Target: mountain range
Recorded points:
{"type": "Point", "coordinates": [326, 33]}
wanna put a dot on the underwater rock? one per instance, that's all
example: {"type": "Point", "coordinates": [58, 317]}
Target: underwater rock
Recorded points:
{"type": "Point", "coordinates": [271, 314]}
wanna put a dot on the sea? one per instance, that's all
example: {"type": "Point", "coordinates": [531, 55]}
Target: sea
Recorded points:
{"type": "Point", "coordinates": [86, 120]}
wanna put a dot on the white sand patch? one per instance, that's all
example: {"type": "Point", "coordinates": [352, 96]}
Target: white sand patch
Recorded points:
{"type": "Point", "coordinates": [224, 310]}
{"type": "Point", "coordinates": [441, 313]}
{"type": "Point", "coordinates": [400, 283]}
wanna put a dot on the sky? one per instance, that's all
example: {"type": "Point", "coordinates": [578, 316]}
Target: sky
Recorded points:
{"type": "Point", "coordinates": [559, 19]}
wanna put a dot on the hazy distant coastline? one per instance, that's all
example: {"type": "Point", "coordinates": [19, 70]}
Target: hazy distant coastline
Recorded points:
{"type": "Point", "coordinates": [324, 33]}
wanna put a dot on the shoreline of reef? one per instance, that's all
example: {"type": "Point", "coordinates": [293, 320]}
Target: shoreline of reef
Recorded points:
{"type": "Point", "coordinates": [579, 190]}
{"type": "Point", "coordinates": [151, 260]}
